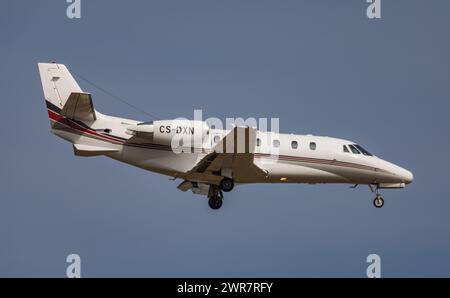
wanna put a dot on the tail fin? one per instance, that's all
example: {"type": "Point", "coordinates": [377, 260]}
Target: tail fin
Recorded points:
{"type": "Point", "coordinates": [63, 95]}
{"type": "Point", "coordinates": [57, 83]}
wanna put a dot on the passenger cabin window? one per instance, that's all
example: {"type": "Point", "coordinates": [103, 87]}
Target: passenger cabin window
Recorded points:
{"type": "Point", "coordinates": [312, 146]}
{"type": "Point", "coordinates": [354, 150]}
{"type": "Point", "coordinates": [258, 142]}
{"type": "Point", "coordinates": [346, 149]}
{"type": "Point", "coordinates": [294, 144]}
{"type": "Point", "coordinates": [216, 139]}
{"type": "Point", "coordinates": [276, 143]}
{"type": "Point", "coordinates": [363, 151]}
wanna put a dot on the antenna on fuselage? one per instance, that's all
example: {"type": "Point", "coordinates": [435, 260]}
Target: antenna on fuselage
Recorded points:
{"type": "Point", "coordinates": [116, 97]}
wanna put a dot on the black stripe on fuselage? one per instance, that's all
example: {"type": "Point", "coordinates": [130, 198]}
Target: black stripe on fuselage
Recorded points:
{"type": "Point", "coordinates": [285, 158]}
{"type": "Point", "coordinates": [56, 109]}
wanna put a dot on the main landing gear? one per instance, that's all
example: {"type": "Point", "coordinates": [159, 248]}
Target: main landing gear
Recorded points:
{"type": "Point", "coordinates": [215, 199]}
{"type": "Point", "coordinates": [226, 184]}
{"type": "Point", "coordinates": [215, 196]}
{"type": "Point", "coordinates": [378, 202]}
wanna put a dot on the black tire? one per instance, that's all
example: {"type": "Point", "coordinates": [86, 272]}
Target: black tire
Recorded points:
{"type": "Point", "coordinates": [378, 202]}
{"type": "Point", "coordinates": [215, 202]}
{"type": "Point", "coordinates": [226, 184]}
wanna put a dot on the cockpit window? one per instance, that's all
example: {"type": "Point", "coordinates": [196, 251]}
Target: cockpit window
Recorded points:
{"type": "Point", "coordinates": [345, 149]}
{"type": "Point", "coordinates": [354, 150]}
{"type": "Point", "coordinates": [364, 151]}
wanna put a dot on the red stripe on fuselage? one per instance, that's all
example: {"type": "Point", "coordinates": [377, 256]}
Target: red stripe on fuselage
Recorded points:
{"type": "Point", "coordinates": [63, 120]}
{"type": "Point", "coordinates": [67, 122]}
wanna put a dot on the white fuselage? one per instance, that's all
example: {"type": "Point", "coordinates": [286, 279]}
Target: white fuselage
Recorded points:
{"type": "Point", "coordinates": [284, 157]}
{"type": "Point", "coordinates": [209, 161]}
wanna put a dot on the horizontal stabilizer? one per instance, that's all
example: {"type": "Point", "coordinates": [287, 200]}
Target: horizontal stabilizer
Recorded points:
{"type": "Point", "coordinates": [89, 150]}
{"type": "Point", "coordinates": [79, 106]}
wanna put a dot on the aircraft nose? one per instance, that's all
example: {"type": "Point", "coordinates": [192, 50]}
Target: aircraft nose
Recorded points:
{"type": "Point", "coordinates": [406, 175]}
{"type": "Point", "coordinates": [399, 174]}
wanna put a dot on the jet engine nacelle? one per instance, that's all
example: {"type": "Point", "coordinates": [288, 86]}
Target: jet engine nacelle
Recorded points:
{"type": "Point", "coordinates": [177, 132]}
{"type": "Point", "coordinates": [180, 132]}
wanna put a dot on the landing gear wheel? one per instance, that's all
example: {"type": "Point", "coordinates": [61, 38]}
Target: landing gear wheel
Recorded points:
{"type": "Point", "coordinates": [378, 202]}
{"type": "Point", "coordinates": [227, 184]}
{"type": "Point", "coordinates": [215, 202]}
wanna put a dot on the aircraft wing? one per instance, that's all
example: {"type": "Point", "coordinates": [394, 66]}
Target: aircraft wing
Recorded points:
{"type": "Point", "coordinates": [235, 152]}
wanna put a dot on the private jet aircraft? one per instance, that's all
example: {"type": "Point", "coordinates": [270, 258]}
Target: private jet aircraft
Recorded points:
{"type": "Point", "coordinates": [217, 159]}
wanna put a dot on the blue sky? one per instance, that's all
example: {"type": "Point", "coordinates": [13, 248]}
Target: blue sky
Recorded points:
{"type": "Point", "coordinates": [320, 66]}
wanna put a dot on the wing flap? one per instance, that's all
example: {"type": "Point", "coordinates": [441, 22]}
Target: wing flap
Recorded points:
{"type": "Point", "coordinates": [185, 185]}
{"type": "Point", "coordinates": [236, 152]}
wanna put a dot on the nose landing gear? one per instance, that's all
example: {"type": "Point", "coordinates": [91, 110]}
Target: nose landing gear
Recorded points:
{"type": "Point", "coordinates": [378, 202]}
